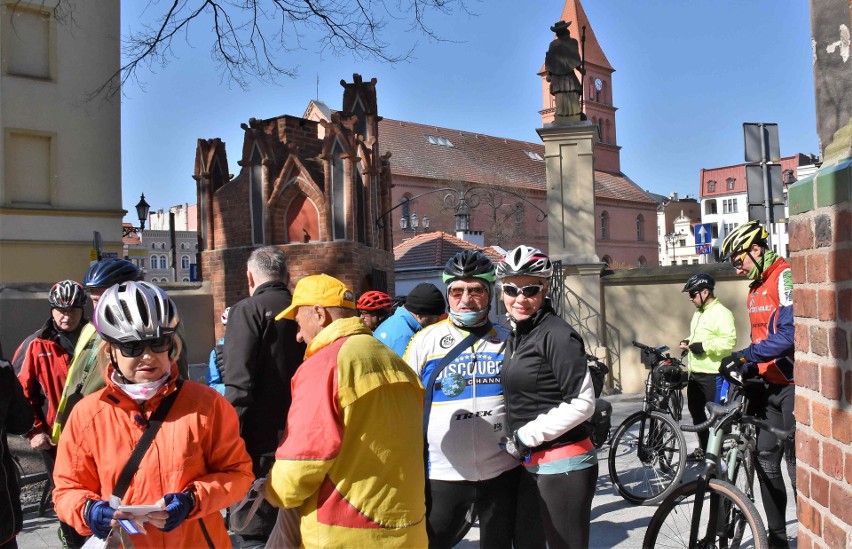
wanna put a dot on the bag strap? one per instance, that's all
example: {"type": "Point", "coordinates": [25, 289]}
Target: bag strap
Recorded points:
{"type": "Point", "coordinates": [154, 425]}
{"type": "Point", "coordinates": [451, 354]}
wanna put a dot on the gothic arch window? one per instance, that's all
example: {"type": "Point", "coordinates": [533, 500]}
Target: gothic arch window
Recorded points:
{"type": "Point", "coordinates": [608, 135]}
{"type": "Point", "coordinates": [256, 195]}
{"type": "Point", "coordinates": [302, 220]}
{"type": "Point", "coordinates": [361, 126]}
{"type": "Point", "coordinates": [605, 93]}
{"type": "Point", "coordinates": [640, 227]}
{"type": "Point", "coordinates": [338, 193]}
{"type": "Point", "coordinates": [406, 205]}
{"type": "Point", "coordinates": [184, 262]}
{"type": "Point", "coordinates": [604, 225]}
{"type": "Point", "coordinates": [360, 206]}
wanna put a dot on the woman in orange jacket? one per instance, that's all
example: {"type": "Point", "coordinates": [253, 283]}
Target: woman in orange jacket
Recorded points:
{"type": "Point", "coordinates": [196, 464]}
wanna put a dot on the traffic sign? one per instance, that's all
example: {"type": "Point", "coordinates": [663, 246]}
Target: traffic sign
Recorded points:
{"type": "Point", "coordinates": [703, 249]}
{"type": "Point", "coordinates": [703, 234]}
{"type": "Point", "coordinates": [109, 255]}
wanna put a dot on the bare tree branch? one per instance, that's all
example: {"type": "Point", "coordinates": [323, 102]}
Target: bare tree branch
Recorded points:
{"type": "Point", "coordinates": [251, 39]}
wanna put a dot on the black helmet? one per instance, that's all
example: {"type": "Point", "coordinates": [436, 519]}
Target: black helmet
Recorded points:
{"type": "Point", "coordinates": [469, 264]}
{"type": "Point", "coordinates": [111, 271]}
{"type": "Point", "coordinates": [67, 294]}
{"type": "Point", "coordinates": [700, 281]}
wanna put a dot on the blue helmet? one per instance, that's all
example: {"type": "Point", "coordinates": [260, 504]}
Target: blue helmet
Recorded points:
{"type": "Point", "coordinates": [111, 271]}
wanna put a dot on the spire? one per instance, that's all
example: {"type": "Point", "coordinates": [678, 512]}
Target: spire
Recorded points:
{"type": "Point", "coordinates": [573, 12]}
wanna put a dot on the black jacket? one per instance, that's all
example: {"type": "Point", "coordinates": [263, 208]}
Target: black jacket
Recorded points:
{"type": "Point", "coordinates": [260, 356]}
{"type": "Point", "coordinates": [544, 366]}
{"type": "Point", "coordinates": [16, 417]}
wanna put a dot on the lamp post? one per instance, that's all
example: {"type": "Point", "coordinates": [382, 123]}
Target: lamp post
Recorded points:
{"type": "Point", "coordinates": [142, 209]}
{"type": "Point", "coordinates": [672, 238]}
{"type": "Point", "coordinates": [412, 223]}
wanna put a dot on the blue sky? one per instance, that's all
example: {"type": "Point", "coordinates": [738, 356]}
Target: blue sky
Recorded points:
{"type": "Point", "coordinates": [688, 74]}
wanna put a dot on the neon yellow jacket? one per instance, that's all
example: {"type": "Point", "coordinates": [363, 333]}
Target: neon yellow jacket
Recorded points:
{"type": "Point", "coordinates": [713, 326]}
{"type": "Point", "coordinates": [352, 456]}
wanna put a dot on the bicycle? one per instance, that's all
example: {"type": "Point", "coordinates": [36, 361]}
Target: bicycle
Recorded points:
{"type": "Point", "coordinates": [647, 456]}
{"type": "Point", "coordinates": [725, 486]}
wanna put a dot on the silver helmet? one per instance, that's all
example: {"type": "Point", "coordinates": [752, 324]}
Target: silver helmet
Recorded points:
{"type": "Point", "coordinates": [135, 311]}
{"type": "Point", "coordinates": [525, 261]}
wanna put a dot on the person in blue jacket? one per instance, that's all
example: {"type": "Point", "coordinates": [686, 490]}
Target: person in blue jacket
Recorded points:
{"type": "Point", "coordinates": [214, 372]}
{"type": "Point", "coordinates": [423, 307]}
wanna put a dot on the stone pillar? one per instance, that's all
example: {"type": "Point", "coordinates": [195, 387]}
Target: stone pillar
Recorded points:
{"type": "Point", "coordinates": [569, 160]}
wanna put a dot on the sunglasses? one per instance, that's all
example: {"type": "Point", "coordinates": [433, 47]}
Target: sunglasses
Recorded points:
{"type": "Point", "coordinates": [530, 290]}
{"type": "Point", "coordinates": [737, 259]}
{"type": "Point", "coordinates": [475, 291]}
{"type": "Point", "coordinates": [133, 349]}
{"type": "Point", "coordinates": [694, 293]}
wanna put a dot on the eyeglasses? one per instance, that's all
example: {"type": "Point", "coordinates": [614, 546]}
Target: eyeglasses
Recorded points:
{"type": "Point", "coordinates": [694, 293]}
{"type": "Point", "coordinates": [133, 349]}
{"type": "Point", "coordinates": [473, 291]}
{"type": "Point", "coordinates": [737, 259]}
{"type": "Point", "coordinates": [530, 290]}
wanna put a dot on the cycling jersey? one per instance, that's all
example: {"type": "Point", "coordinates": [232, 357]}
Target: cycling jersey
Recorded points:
{"type": "Point", "coordinates": [468, 415]}
{"type": "Point", "coordinates": [770, 309]}
{"type": "Point", "coordinates": [713, 326]}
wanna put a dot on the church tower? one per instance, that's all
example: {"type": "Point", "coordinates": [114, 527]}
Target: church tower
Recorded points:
{"type": "Point", "coordinates": [597, 89]}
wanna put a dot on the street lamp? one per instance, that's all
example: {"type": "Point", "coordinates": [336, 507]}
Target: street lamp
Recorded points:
{"type": "Point", "coordinates": [412, 223]}
{"type": "Point", "coordinates": [673, 237]}
{"type": "Point", "coordinates": [142, 209]}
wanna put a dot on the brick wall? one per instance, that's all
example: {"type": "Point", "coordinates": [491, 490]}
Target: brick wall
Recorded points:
{"type": "Point", "coordinates": [821, 256]}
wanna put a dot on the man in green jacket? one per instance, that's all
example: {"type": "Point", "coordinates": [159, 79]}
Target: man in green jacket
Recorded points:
{"type": "Point", "coordinates": [712, 337]}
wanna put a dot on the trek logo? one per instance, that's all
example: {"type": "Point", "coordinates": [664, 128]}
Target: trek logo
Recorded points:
{"type": "Point", "coordinates": [447, 342]}
{"type": "Point", "coordinates": [471, 415]}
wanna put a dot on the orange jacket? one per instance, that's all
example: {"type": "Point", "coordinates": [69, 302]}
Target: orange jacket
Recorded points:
{"type": "Point", "coordinates": [198, 446]}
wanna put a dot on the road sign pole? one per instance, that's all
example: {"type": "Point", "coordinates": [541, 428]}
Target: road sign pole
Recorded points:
{"type": "Point", "coordinates": [767, 189]}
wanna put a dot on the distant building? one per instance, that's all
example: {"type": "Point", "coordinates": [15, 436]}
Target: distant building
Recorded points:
{"type": "Point", "coordinates": [676, 220]}
{"type": "Point", "coordinates": [156, 243]}
{"type": "Point", "coordinates": [60, 153]}
{"type": "Point", "coordinates": [724, 199]}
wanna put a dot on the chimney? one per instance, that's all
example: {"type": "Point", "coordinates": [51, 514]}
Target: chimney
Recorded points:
{"type": "Point", "coordinates": [674, 197]}
{"type": "Point", "coordinates": [477, 238]}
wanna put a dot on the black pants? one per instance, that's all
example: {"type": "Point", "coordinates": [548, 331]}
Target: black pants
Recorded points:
{"type": "Point", "coordinates": [701, 389]}
{"type": "Point", "coordinates": [565, 503]}
{"type": "Point", "coordinates": [775, 405]}
{"type": "Point", "coordinates": [259, 528]}
{"type": "Point", "coordinates": [495, 501]}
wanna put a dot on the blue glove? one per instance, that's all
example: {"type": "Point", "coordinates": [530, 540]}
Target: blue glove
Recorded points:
{"type": "Point", "coordinates": [98, 516]}
{"type": "Point", "coordinates": [178, 506]}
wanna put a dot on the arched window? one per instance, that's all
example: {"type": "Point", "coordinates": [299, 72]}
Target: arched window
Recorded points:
{"type": "Point", "coordinates": [153, 245]}
{"type": "Point", "coordinates": [256, 195]}
{"type": "Point", "coordinates": [164, 264]}
{"type": "Point", "coordinates": [641, 262]}
{"type": "Point", "coordinates": [711, 186]}
{"type": "Point", "coordinates": [185, 279]}
{"type": "Point", "coordinates": [730, 183]}
{"type": "Point", "coordinates": [184, 262]}
{"type": "Point", "coordinates": [604, 225]}
{"type": "Point", "coordinates": [640, 227]}
{"type": "Point", "coordinates": [406, 205]}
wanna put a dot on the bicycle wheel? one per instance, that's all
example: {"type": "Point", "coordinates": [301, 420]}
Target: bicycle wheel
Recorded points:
{"type": "Point", "coordinates": [737, 523]}
{"type": "Point", "coordinates": [743, 475]}
{"type": "Point", "coordinates": [647, 457]}
{"type": "Point", "coordinates": [675, 404]}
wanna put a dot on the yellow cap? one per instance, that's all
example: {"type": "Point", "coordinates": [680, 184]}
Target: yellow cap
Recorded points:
{"type": "Point", "coordinates": [318, 290]}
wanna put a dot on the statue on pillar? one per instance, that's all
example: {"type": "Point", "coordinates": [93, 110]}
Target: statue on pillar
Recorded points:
{"type": "Point", "coordinates": [562, 62]}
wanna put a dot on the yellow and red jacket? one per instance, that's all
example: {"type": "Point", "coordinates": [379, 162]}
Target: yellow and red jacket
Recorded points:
{"type": "Point", "coordinates": [198, 446]}
{"type": "Point", "coordinates": [770, 310]}
{"type": "Point", "coordinates": [352, 457]}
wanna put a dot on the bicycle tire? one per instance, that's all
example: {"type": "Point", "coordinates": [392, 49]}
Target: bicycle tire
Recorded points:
{"type": "Point", "coordinates": [643, 473]}
{"type": "Point", "coordinates": [670, 526]}
{"type": "Point", "coordinates": [743, 474]}
{"type": "Point", "coordinates": [675, 404]}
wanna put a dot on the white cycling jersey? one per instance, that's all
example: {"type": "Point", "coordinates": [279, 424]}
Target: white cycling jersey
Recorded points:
{"type": "Point", "coordinates": [468, 415]}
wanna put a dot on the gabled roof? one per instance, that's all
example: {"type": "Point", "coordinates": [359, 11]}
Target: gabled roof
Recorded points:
{"type": "Point", "coordinates": [482, 160]}
{"type": "Point", "coordinates": [434, 250]}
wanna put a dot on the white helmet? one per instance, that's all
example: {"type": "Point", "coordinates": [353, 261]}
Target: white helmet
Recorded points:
{"type": "Point", "coordinates": [135, 311]}
{"type": "Point", "coordinates": [525, 261]}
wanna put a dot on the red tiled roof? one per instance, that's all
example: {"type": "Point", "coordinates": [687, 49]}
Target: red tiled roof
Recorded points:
{"type": "Point", "coordinates": [434, 250]}
{"type": "Point", "coordinates": [480, 159]}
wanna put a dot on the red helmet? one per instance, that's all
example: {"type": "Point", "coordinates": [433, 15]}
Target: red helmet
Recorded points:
{"type": "Point", "coordinates": [374, 301]}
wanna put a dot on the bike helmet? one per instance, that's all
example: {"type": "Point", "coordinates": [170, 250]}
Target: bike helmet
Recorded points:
{"type": "Point", "coordinates": [110, 271]}
{"type": "Point", "coordinates": [374, 301]}
{"type": "Point", "coordinates": [741, 239]}
{"type": "Point", "coordinates": [525, 261]}
{"type": "Point", "coordinates": [224, 317]}
{"type": "Point", "coordinates": [669, 377]}
{"type": "Point", "coordinates": [697, 282]}
{"type": "Point", "coordinates": [67, 294]}
{"type": "Point", "coordinates": [469, 264]}
{"type": "Point", "coordinates": [135, 311]}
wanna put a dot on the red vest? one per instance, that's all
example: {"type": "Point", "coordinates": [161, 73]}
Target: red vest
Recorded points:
{"type": "Point", "coordinates": [770, 310]}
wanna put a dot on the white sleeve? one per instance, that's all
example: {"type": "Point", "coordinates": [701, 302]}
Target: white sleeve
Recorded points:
{"type": "Point", "coordinates": [562, 418]}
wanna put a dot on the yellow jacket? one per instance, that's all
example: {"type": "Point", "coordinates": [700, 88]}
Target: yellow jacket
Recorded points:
{"type": "Point", "coordinates": [352, 456]}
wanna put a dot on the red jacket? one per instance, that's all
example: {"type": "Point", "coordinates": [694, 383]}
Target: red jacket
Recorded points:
{"type": "Point", "coordinates": [43, 367]}
{"type": "Point", "coordinates": [770, 310]}
{"type": "Point", "coordinates": [198, 446]}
